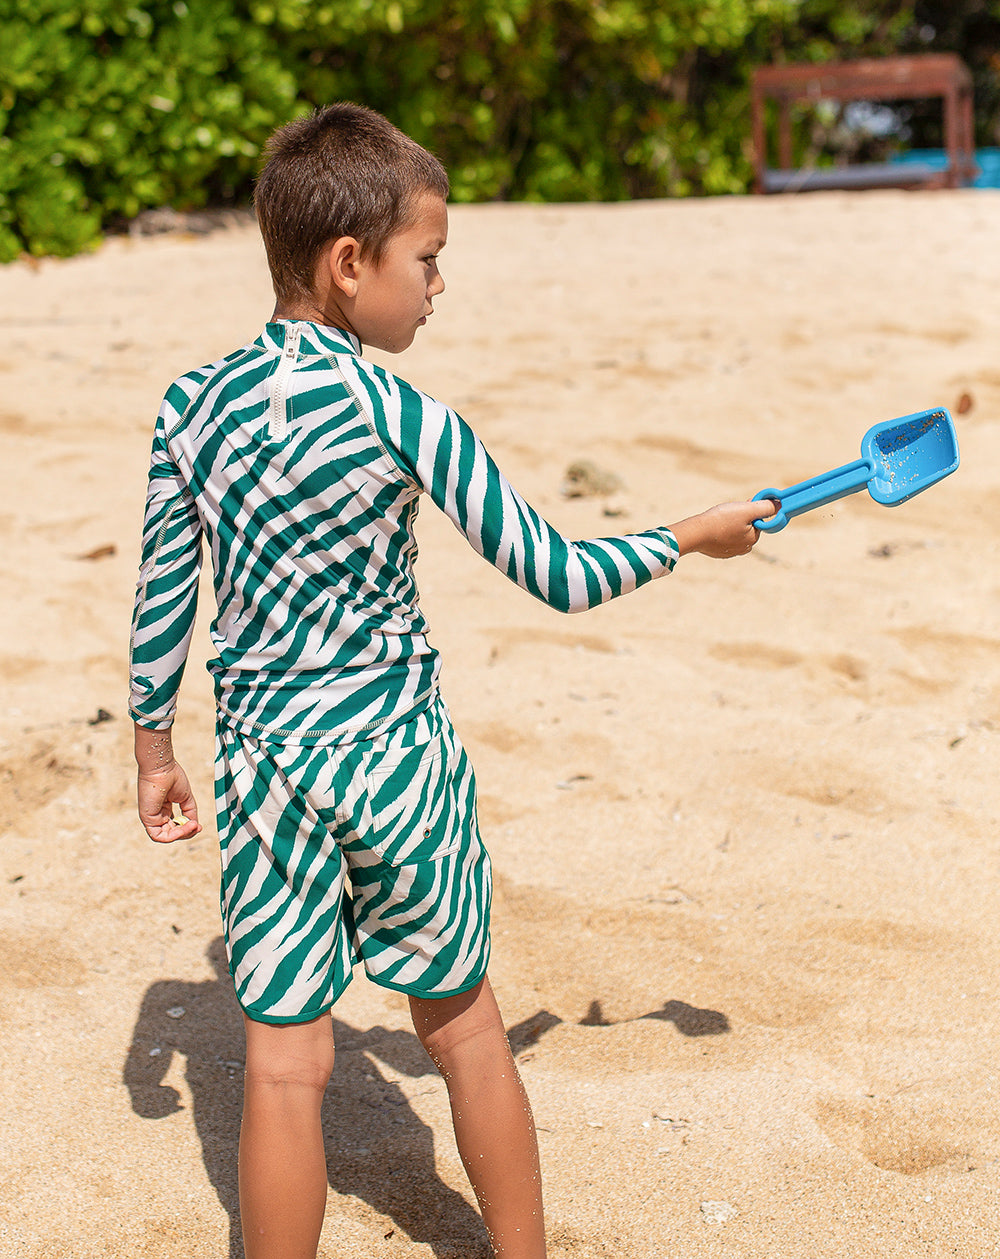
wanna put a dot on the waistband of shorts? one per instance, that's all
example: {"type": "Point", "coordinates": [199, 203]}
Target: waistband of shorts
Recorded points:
{"type": "Point", "coordinates": [336, 737]}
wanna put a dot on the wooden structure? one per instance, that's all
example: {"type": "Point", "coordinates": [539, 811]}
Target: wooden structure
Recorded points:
{"type": "Point", "coordinates": [936, 75]}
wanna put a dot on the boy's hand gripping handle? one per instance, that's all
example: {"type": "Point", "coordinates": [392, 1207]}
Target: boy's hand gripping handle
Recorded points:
{"type": "Point", "coordinates": [815, 492]}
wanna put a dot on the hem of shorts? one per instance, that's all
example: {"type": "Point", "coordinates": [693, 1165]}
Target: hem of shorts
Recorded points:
{"type": "Point", "coordinates": [283, 1020]}
{"type": "Point", "coordinates": [410, 991]}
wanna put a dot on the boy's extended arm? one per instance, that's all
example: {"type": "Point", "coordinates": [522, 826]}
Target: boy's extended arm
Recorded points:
{"type": "Point", "coordinates": [450, 463]}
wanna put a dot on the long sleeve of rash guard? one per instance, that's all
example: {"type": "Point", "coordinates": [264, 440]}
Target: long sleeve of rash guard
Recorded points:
{"type": "Point", "coordinates": [446, 459]}
{"type": "Point", "coordinates": [167, 591]}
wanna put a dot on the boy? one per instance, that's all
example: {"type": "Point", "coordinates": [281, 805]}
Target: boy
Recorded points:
{"type": "Point", "coordinates": [346, 804]}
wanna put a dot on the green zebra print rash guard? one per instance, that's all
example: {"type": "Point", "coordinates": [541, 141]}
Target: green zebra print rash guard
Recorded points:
{"type": "Point", "coordinates": [301, 465]}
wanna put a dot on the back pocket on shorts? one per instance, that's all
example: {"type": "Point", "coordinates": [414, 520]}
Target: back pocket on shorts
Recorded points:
{"type": "Point", "coordinates": [414, 814]}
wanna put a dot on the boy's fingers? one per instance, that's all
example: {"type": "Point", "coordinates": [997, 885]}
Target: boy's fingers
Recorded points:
{"type": "Point", "coordinates": [170, 831]}
{"type": "Point", "coordinates": [159, 832]}
{"type": "Point", "coordinates": [157, 802]}
{"type": "Point", "coordinates": [188, 807]}
{"type": "Point", "coordinates": [763, 508]}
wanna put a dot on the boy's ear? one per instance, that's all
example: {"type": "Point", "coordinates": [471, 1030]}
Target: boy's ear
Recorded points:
{"type": "Point", "coordinates": [343, 261]}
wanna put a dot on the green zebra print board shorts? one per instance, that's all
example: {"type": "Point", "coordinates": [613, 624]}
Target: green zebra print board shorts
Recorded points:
{"type": "Point", "coordinates": [365, 852]}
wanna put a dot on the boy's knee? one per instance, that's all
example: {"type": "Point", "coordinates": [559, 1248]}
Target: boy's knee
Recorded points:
{"type": "Point", "coordinates": [300, 1054]}
{"type": "Point", "coordinates": [445, 1031]}
{"type": "Point", "coordinates": [298, 1073]}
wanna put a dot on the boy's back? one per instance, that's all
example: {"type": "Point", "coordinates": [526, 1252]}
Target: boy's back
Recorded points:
{"type": "Point", "coordinates": [306, 517]}
{"type": "Point", "coordinates": [303, 465]}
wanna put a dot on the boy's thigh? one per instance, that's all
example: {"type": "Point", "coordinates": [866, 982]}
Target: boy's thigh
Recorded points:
{"type": "Point", "coordinates": [283, 879]}
{"type": "Point", "coordinates": [419, 873]}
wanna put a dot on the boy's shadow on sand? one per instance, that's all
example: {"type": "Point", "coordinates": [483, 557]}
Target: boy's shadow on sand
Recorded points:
{"type": "Point", "coordinates": [378, 1149]}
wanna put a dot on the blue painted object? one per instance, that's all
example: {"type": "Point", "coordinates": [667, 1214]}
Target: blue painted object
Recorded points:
{"type": "Point", "coordinates": [899, 458]}
{"type": "Point", "coordinates": [987, 160]}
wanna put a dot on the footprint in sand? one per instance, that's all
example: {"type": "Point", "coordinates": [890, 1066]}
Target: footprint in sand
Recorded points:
{"type": "Point", "coordinates": [719, 464]}
{"type": "Point", "coordinates": [506, 639]}
{"type": "Point", "coordinates": [895, 1136]}
{"type": "Point", "coordinates": [769, 656]}
{"type": "Point", "coordinates": [37, 960]}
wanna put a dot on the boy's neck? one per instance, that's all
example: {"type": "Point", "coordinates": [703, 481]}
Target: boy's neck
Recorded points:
{"type": "Point", "coordinates": [310, 315]}
{"type": "Point", "coordinates": [307, 311]}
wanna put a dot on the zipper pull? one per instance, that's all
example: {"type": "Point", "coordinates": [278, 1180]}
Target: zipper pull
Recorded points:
{"type": "Point", "coordinates": [277, 416]}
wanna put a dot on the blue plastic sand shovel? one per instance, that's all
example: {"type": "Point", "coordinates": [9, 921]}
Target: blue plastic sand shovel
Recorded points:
{"type": "Point", "coordinates": [899, 458]}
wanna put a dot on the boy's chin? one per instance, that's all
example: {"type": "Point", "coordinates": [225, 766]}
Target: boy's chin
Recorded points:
{"type": "Point", "coordinates": [390, 345]}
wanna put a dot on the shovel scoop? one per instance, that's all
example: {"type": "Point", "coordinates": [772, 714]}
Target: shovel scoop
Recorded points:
{"type": "Point", "coordinates": [899, 458]}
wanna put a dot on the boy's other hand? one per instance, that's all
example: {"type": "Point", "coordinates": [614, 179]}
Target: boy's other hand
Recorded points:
{"type": "Point", "coordinates": [162, 787]}
{"type": "Point", "coordinates": [725, 531]}
{"type": "Point", "coordinates": [159, 792]}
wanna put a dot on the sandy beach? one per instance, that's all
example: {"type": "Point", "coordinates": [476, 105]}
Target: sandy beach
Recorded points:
{"type": "Point", "coordinates": [744, 822]}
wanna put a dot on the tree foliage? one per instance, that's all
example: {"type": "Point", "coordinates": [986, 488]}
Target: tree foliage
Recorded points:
{"type": "Point", "coordinates": [109, 107]}
{"type": "Point", "coordinates": [106, 109]}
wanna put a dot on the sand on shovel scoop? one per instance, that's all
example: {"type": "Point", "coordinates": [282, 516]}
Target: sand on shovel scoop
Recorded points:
{"type": "Point", "coordinates": [899, 458]}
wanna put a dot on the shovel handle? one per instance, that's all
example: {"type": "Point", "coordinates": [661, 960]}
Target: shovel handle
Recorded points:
{"type": "Point", "coordinates": [816, 492]}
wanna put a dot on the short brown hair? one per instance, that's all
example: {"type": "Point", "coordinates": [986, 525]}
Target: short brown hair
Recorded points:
{"type": "Point", "coordinates": [343, 171]}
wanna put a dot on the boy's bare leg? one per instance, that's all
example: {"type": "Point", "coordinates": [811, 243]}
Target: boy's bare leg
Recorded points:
{"type": "Point", "coordinates": [282, 1161]}
{"type": "Point", "coordinates": [494, 1127]}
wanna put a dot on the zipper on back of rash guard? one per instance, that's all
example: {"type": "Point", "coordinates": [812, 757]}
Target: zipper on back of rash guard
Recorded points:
{"type": "Point", "coordinates": [277, 413]}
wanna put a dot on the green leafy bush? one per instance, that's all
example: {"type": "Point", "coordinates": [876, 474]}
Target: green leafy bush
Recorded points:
{"type": "Point", "coordinates": [540, 99]}
{"type": "Point", "coordinates": [108, 107]}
